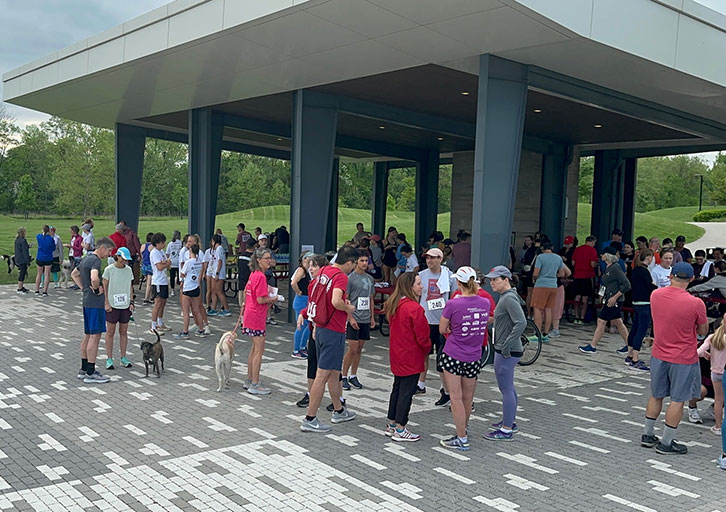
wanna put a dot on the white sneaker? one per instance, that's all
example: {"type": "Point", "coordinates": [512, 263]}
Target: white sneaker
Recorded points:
{"type": "Point", "coordinates": [693, 415]}
{"type": "Point", "coordinates": [716, 430]}
{"type": "Point", "coordinates": [340, 417]}
{"type": "Point", "coordinates": [405, 436]}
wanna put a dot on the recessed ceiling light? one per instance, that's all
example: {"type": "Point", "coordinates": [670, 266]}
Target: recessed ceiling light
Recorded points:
{"type": "Point", "coordinates": [440, 138]}
{"type": "Point", "coordinates": [382, 127]}
{"type": "Point", "coordinates": [537, 110]}
{"type": "Point", "coordinates": [465, 93]}
{"type": "Point", "coordinates": [279, 138]}
{"type": "Point", "coordinates": [597, 125]}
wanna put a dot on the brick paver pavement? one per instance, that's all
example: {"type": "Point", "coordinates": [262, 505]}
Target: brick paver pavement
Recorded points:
{"type": "Point", "coordinates": [176, 444]}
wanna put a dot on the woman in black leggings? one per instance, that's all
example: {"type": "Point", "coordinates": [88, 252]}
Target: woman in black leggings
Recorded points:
{"type": "Point", "coordinates": [642, 286]}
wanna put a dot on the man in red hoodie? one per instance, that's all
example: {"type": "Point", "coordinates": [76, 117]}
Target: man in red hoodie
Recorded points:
{"type": "Point", "coordinates": [118, 238]}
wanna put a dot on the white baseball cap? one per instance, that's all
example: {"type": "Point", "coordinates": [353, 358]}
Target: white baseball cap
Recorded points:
{"type": "Point", "coordinates": [262, 236]}
{"type": "Point", "coordinates": [464, 274]}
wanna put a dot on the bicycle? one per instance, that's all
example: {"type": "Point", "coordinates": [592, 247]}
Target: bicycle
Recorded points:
{"type": "Point", "coordinates": [531, 339]}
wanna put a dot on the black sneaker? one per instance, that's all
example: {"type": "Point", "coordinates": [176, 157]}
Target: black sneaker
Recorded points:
{"type": "Point", "coordinates": [45, 294]}
{"type": "Point", "coordinates": [355, 383]}
{"type": "Point", "coordinates": [674, 449]}
{"type": "Point", "coordinates": [331, 407]}
{"type": "Point", "coordinates": [648, 441]}
{"type": "Point", "coordinates": [445, 398]}
{"type": "Point", "coordinates": [420, 391]}
{"type": "Point", "coordinates": [304, 401]}
{"type": "Point", "coordinates": [346, 384]}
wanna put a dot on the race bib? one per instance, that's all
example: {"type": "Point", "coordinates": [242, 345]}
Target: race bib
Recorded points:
{"type": "Point", "coordinates": [601, 292]}
{"type": "Point", "coordinates": [119, 300]}
{"type": "Point", "coordinates": [436, 304]}
{"type": "Point", "coordinates": [364, 304]}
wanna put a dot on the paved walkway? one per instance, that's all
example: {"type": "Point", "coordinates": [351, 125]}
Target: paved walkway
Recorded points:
{"type": "Point", "coordinates": [175, 444]}
{"type": "Point", "coordinates": [715, 236]}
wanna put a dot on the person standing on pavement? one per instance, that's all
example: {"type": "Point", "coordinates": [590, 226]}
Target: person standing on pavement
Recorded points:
{"type": "Point", "coordinates": [75, 248]}
{"type": "Point", "coordinates": [713, 348]}
{"type": "Point", "coordinates": [329, 310]}
{"type": "Point", "coordinates": [44, 259]}
{"type": "Point", "coordinates": [584, 261]}
{"type": "Point", "coordinates": [642, 287]}
{"type": "Point", "coordinates": [243, 268]}
{"type": "Point", "coordinates": [242, 237]}
{"type": "Point", "coordinates": [22, 259]}
{"type": "Point", "coordinates": [410, 344]}
{"type": "Point", "coordinates": [548, 266]}
{"type": "Point", "coordinates": [172, 252]}
{"type": "Point", "coordinates": [678, 318]}
{"type": "Point", "coordinates": [299, 282]}
{"type": "Point", "coordinates": [510, 324]}
{"type": "Point", "coordinates": [118, 283]}
{"type": "Point", "coordinates": [118, 238]}
{"type": "Point", "coordinates": [134, 246]}
{"type": "Point", "coordinates": [190, 298]}
{"type": "Point", "coordinates": [57, 257]}
{"type": "Point", "coordinates": [361, 292]}
{"type": "Point", "coordinates": [159, 283]}
{"type": "Point", "coordinates": [87, 276]}
{"type": "Point", "coordinates": [438, 282]}
{"type": "Point", "coordinates": [219, 274]}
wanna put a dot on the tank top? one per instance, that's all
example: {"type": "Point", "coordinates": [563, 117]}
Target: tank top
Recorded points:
{"type": "Point", "coordinates": [303, 283]}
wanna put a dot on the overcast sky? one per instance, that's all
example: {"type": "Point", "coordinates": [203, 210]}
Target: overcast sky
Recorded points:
{"type": "Point", "coordinates": [30, 29]}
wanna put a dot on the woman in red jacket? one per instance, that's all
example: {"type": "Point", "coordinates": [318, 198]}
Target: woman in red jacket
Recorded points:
{"type": "Point", "coordinates": [409, 347]}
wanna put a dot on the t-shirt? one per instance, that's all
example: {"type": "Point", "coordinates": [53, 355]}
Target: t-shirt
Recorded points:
{"type": "Point", "coordinates": [332, 278]}
{"type": "Point", "coordinates": [431, 292]}
{"type": "Point", "coordinates": [468, 317]}
{"type": "Point", "coordinates": [583, 258]}
{"type": "Point", "coordinates": [676, 314]}
{"type": "Point", "coordinates": [184, 255]}
{"type": "Point", "coordinates": [89, 238]}
{"type": "Point", "coordinates": [492, 306]}
{"type": "Point", "coordinates": [119, 285]}
{"type": "Point", "coordinates": [360, 289]}
{"type": "Point", "coordinates": [172, 251]}
{"type": "Point", "coordinates": [255, 315]}
{"type": "Point", "coordinates": [209, 260]}
{"type": "Point", "coordinates": [243, 268]}
{"type": "Point", "coordinates": [661, 276]}
{"type": "Point", "coordinates": [90, 299]}
{"type": "Point", "coordinates": [219, 256]}
{"type": "Point", "coordinates": [411, 263]}
{"type": "Point", "coordinates": [158, 277]}
{"type": "Point", "coordinates": [192, 269]}
{"type": "Point", "coordinates": [462, 254]}
{"type": "Point", "coordinates": [548, 264]}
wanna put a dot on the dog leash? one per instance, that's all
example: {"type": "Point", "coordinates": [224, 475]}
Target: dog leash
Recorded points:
{"type": "Point", "coordinates": [239, 320]}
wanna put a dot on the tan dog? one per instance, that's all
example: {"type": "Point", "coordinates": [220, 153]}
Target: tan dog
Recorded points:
{"type": "Point", "coordinates": [223, 357]}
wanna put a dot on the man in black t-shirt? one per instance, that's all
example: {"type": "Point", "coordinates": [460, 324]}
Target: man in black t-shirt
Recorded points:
{"type": "Point", "coordinates": [243, 270]}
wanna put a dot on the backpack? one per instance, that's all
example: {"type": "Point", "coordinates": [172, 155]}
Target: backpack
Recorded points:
{"type": "Point", "coordinates": [320, 308]}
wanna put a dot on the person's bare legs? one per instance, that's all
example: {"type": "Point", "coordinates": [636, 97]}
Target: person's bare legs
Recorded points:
{"type": "Point", "coordinates": [622, 330]}
{"type": "Point", "coordinates": [351, 360]}
{"type": "Point", "coordinates": [468, 387]}
{"type": "Point", "coordinates": [185, 307]}
{"type": "Point", "coordinates": [123, 338]}
{"type": "Point", "coordinates": [110, 333]}
{"type": "Point", "coordinates": [538, 319]}
{"type": "Point", "coordinates": [322, 378]}
{"type": "Point", "coordinates": [41, 270]}
{"type": "Point", "coordinates": [582, 307]}
{"type": "Point", "coordinates": [458, 409]}
{"type": "Point", "coordinates": [547, 319]}
{"type": "Point", "coordinates": [219, 283]}
{"type": "Point", "coordinates": [147, 293]}
{"type": "Point", "coordinates": [254, 361]}
{"type": "Point", "coordinates": [92, 347]}
{"type": "Point", "coordinates": [599, 330]}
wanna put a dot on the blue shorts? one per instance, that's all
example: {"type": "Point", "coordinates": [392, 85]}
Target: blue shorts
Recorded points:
{"type": "Point", "coordinates": [94, 320]}
{"type": "Point", "coordinates": [146, 269]}
{"type": "Point", "coordinates": [330, 346]}
{"type": "Point", "coordinates": [681, 382]}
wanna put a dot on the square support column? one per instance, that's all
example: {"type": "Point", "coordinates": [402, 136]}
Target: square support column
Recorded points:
{"type": "Point", "coordinates": [630, 178]}
{"type": "Point", "coordinates": [130, 147]}
{"type": "Point", "coordinates": [604, 194]}
{"type": "Point", "coordinates": [501, 103]}
{"type": "Point", "coordinates": [427, 198]}
{"type": "Point", "coordinates": [331, 239]}
{"type": "Point", "coordinates": [205, 156]}
{"type": "Point", "coordinates": [379, 198]}
{"type": "Point", "coordinates": [553, 195]}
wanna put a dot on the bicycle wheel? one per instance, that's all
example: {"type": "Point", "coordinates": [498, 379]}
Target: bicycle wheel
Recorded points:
{"type": "Point", "coordinates": [383, 325]}
{"type": "Point", "coordinates": [531, 344]}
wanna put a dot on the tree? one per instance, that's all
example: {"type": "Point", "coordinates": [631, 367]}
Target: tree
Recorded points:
{"type": "Point", "coordinates": [26, 195]}
{"type": "Point", "coordinates": [587, 173]}
{"type": "Point", "coordinates": [717, 179]}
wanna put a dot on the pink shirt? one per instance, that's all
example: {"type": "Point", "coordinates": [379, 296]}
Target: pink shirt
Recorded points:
{"type": "Point", "coordinates": [718, 357]}
{"type": "Point", "coordinates": [255, 316]}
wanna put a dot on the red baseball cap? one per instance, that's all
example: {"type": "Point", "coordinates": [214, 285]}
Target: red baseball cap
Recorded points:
{"type": "Point", "coordinates": [569, 240]}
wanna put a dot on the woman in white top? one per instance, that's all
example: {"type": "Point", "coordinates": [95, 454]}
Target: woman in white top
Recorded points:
{"type": "Point", "coordinates": [159, 283]}
{"type": "Point", "coordinates": [172, 252]}
{"type": "Point", "coordinates": [661, 272]}
{"type": "Point", "coordinates": [191, 274]}
{"type": "Point", "coordinates": [208, 272]}
{"type": "Point", "coordinates": [219, 273]}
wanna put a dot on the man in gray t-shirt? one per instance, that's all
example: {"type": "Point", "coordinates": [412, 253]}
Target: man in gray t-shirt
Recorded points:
{"type": "Point", "coordinates": [360, 293]}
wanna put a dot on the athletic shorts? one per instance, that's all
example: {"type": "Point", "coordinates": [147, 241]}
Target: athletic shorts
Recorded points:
{"type": "Point", "coordinates": [55, 266]}
{"type": "Point", "coordinates": [330, 346]}
{"type": "Point", "coordinates": [543, 298]}
{"type": "Point", "coordinates": [146, 269]}
{"type": "Point", "coordinates": [716, 377]}
{"type": "Point", "coordinates": [192, 293]}
{"type": "Point", "coordinates": [681, 382]}
{"type": "Point", "coordinates": [117, 316]}
{"type": "Point", "coordinates": [43, 263]}
{"type": "Point", "coordinates": [437, 340]}
{"type": "Point", "coordinates": [363, 333]}
{"type": "Point", "coordinates": [610, 313]}
{"type": "Point", "coordinates": [94, 320]}
{"type": "Point", "coordinates": [463, 369]}
{"type": "Point", "coordinates": [160, 291]}
{"type": "Point", "coordinates": [582, 287]}
{"type": "Point", "coordinates": [253, 333]}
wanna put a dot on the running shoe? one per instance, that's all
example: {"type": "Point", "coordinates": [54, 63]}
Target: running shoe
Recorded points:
{"type": "Point", "coordinates": [346, 384]}
{"type": "Point", "coordinates": [443, 400]}
{"type": "Point", "coordinates": [258, 389]}
{"type": "Point", "coordinates": [355, 383]}
{"type": "Point", "coordinates": [21, 291]}
{"type": "Point", "coordinates": [577, 321]}
{"type": "Point", "coordinates": [298, 355]}
{"type": "Point", "coordinates": [628, 360]}
{"type": "Point", "coordinates": [146, 301]}
{"type": "Point", "coordinates": [708, 413]}
{"type": "Point", "coordinates": [109, 364]}
{"type": "Point", "coordinates": [96, 378]}
{"type": "Point", "coordinates": [455, 443]}
{"type": "Point", "coordinates": [721, 462]}
{"type": "Point", "coordinates": [675, 448]}
{"type": "Point", "coordinates": [125, 362]}
{"type": "Point", "coordinates": [499, 435]}
{"type": "Point", "coordinates": [164, 328]}
{"type": "Point", "coordinates": [648, 441]}
{"type": "Point", "coordinates": [555, 333]}
{"type": "Point", "coordinates": [639, 365]}
{"type": "Point", "coordinates": [420, 391]}
{"type": "Point", "coordinates": [587, 349]}
{"type": "Point", "coordinates": [272, 321]}
{"type": "Point", "coordinates": [247, 383]}
{"type": "Point", "coordinates": [225, 312]}
{"type": "Point", "coordinates": [340, 417]}
{"type": "Point", "coordinates": [498, 426]}
{"type": "Point", "coordinates": [623, 350]}
{"type": "Point", "coordinates": [304, 401]}
{"type": "Point", "coordinates": [304, 353]}
{"type": "Point", "coordinates": [181, 335]}
{"type": "Point", "coordinates": [715, 430]}
{"type": "Point", "coordinates": [45, 294]}
{"type": "Point", "coordinates": [212, 312]}
{"type": "Point", "coordinates": [82, 374]}
{"type": "Point", "coordinates": [314, 425]}
{"type": "Point", "coordinates": [693, 415]}
{"type": "Point", "coordinates": [331, 407]}
{"type": "Point", "coordinates": [405, 435]}
{"type": "Point", "coordinates": [390, 429]}
{"type": "Point", "coordinates": [37, 293]}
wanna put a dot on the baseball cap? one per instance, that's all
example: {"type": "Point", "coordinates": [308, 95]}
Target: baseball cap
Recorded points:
{"type": "Point", "coordinates": [680, 238]}
{"type": "Point", "coordinates": [435, 252]}
{"type": "Point", "coordinates": [569, 240]}
{"type": "Point", "coordinates": [375, 238]}
{"type": "Point", "coordinates": [617, 231]}
{"type": "Point", "coordinates": [464, 274]}
{"type": "Point", "coordinates": [682, 270]}
{"type": "Point", "coordinates": [124, 252]}
{"type": "Point", "coordinates": [610, 250]}
{"type": "Point", "coordinates": [86, 227]}
{"type": "Point", "coordinates": [262, 236]}
{"type": "Point", "coordinates": [499, 271]}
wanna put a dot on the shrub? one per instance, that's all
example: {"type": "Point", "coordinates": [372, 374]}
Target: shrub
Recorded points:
{"type": "Point", "coordinates": [709, 215]}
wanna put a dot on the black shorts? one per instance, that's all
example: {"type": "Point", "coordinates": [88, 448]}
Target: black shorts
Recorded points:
{"type": "Point", "coordinates": [610, 313]}
{"type": "Point", "coordinates": [55, 266]}
{"type": "Point", "coordinates": [118, 316]}
{"type": "Point", "coordinates": [583, 287]}
{"type": "Point", "coordinates": [192, 293]}
{"type": "Point", "coordinates": [42, 263]}
{"type": "Point", "coordinates": [363, 333]}
{"type": "Point", "coordinates": [160, 291]}
{"type": "Point", "coordinates": [461, 368]}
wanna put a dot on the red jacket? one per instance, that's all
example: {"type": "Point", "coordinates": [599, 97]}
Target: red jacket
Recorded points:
{"type": "Point", "coordinates": [409, 343]}
{"type": "Point", "coordinates": [119, 240]}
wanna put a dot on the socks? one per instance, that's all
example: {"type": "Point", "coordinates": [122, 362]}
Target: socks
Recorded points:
{"type": "Point", "coordinates": [649, 426]}
{"type": "Point", "coordinates": [153, 324]}
{"type": "Point", "coordinates": [353, 376]}
{"type": "Point", "coordinates": [160, 322]}
{"type": "Point", "coordinates": [84, 364]}
{"type": "Point", "coordinates": [90, 368]}
{"type": "Point", "coordinates": [506, 430]}
{"type": "Point", "coordinates": [421, 385]}
{"type": "Point", "coordinates": [668, 434]}
{"type": "Point", "coordinates": [340, 411]}
{"type": "Point", "coordinates": [309, 418]}
{"type": "Point", "coordinates": [464, 439]}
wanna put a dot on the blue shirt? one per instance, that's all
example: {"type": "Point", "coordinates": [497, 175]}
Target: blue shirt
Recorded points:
{"type": "Point", "coordinates": [46, 246]}
{"type": "Point", "coordinates": [548, 264]}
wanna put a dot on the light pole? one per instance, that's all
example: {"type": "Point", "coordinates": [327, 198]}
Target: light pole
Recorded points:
{"type": "Point", "coordinates": [700, 193]}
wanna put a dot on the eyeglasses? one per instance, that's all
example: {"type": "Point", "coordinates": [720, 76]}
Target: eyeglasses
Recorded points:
{"type": "Point", "coordinates": [266, 258]}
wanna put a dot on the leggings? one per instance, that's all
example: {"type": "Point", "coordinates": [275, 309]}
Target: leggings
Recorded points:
{"type": "Point", "coordinates": [504, 371]}
{"type": "Point", "coordinates": [641, 323]}
{"type": "Point", "coordinates": [401, 396]}
{"type": "Point", "coordinates": [173, 276]}
{"type": "Point", "coordinates": [23, 271]}
{"type": "Point", "coordinates": [299, 303]}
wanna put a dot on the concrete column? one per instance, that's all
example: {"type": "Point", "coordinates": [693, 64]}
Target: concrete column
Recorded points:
{"type": "Point", "coordinates": [630, 177]}
{"type": "Point", "coordinates": [462, 184]}
{"type": "Point", "coordinates": [427, 197]}
{"type": "Point", "coordinates": [604, 191]}
{"type": "Point", "coordinates": [331, 238]}
{"type": "Point", "coordinates": [130, 146]}
{"type": "Point", "coordinates": [379, 198]}
{"type": "Point", "coordinates": [554, 193]}
{"type": "Point", "coordinates": [501, 103]}
{"type": "Point", "coordinates": [205, 155]}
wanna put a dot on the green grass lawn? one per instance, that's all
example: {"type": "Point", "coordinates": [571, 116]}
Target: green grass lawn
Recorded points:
{"type": "Point", "coordinates": [669, 222]}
